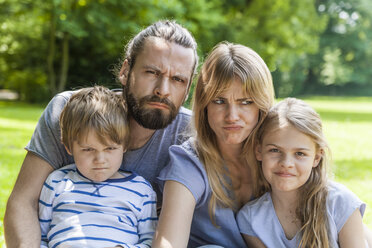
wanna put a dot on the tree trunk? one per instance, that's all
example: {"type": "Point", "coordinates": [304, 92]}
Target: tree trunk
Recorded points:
{"type": "Point", "coordinates": [51, 51]}
{"type": "Point", "coordinates": [64, 62]}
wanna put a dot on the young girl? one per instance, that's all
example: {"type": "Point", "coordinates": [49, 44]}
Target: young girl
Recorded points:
{"type": "Point", "coordinates": [301, 208]}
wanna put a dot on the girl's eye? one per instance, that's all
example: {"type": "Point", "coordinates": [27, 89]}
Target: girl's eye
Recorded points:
{"type": "Point", "coordinates": [274, 150]}
{"type": "Point", "coordinates": [111, 148]}
{"type": "Point", "coordinates": [218, 101]}
{"type": "Point", "coordinates": [87, 149]}
{"type": "Point", "coordinates": [300, 154]}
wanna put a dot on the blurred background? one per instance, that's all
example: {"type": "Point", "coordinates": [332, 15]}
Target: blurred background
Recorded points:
{"type": "Point", "coordinates": [321, 47]}
{"type": "Point", "coordinates": [317, 50]}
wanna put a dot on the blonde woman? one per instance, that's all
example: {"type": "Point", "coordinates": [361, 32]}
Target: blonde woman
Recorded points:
{"type": "Point", "coordinates": [213, 174]}
{"type": "Point", "coordinates": [302, 208]}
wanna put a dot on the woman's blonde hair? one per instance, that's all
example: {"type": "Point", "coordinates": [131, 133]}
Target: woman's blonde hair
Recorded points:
{"type": "Point", "coordinates": [311, 209]}
{"type": "Point", "coordinates": [95, 109]}
{"type": "Point", "coordinates": [225, 63]}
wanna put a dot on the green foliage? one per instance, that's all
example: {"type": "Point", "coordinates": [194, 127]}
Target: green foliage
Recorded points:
{"type": "Point", "coordinates": [307, 44]}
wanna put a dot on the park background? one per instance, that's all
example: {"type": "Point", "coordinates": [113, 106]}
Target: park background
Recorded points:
{"type": "Point", "coordinates": [317, 50]}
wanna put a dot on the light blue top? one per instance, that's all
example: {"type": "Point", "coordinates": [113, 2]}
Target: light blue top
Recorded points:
{"type": "Point", "coordinates": [186, 168]}
{"type": "Point", "coordinates": [258, 218]}
{"type": "Point", "coordinates": [77, 212]}
{"type": "Point", "coordinates": [146, 161]}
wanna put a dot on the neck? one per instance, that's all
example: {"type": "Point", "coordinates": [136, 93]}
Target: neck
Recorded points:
{"type": "Point", "coordinates": [138, 134]}
{"type": "Point", "coordinates": [231, 153]}
{"type": "Point", "coordinates": [285, 200]}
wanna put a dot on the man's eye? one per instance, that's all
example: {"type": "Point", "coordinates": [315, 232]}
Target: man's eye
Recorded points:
{"type": "Point", "coordinates": [178, 79]}
{"type": "Point", "coordinates": [151, 72]}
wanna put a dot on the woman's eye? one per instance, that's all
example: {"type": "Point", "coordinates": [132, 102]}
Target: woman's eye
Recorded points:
{"type": "Point", "coordinates": [274, 150]}
{"type": "Point", "coordinates": [247, 102]}
{"type": "Point", "coordinates": [218, 101]}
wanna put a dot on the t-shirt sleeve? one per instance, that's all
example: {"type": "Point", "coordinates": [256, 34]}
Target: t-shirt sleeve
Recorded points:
{"type": "Point", "coordinates": [148, 220]}
{"type": "Point", "coordinates": [185, 167]}
{"type": "Point", "coordinates": [342, 202]}
{"type": "Point", "coordinates": [47, 197]}
{"type": "Point", "coordinates": [46, 139]}
{"type": "Point", "coordinates": [243, 218]}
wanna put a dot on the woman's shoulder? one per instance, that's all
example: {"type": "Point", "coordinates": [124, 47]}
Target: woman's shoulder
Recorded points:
{"type": "Point", "coordinates": [185, 167]}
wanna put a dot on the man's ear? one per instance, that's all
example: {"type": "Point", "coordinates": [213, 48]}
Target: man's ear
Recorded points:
{"type": "Point", "coordinates": [123, 73]}
{"type": "Point", "coordinates": [318, 157]}
{"type": "Point", "coordinates": [258, 152]}
{"type": "Point", "coordinates": [68, 150]}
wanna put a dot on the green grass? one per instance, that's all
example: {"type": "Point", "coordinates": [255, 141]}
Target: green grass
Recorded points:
{"type": "Point", "coordinates": [17, 122]}
{"type": "Point", "coordinates": [347, 125]}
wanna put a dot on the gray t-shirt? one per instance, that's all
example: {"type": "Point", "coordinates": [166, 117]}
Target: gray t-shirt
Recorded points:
{"type": "Point", "coordinates": [146, 161]}
{"type": "Point", "coordinates": [185, 167]}
{"type": "Point", "coordinates": [258, 218]}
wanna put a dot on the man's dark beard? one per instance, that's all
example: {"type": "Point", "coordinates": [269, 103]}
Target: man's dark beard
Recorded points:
{"type": "Point", "coordinates": [147, 117]}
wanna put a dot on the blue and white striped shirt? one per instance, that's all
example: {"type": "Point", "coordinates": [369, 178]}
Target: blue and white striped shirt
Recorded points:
{"type": "Point", "coordinates": [77, 212]}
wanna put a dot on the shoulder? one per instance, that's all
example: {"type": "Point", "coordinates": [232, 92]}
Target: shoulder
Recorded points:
{"type": "Point", "coordinates": [62, 172]}
{"type": "Point", "coordinates": [255, 214]}
{"type": "Point", "coordinates": [340, 194]}
{"type": "Point", "coordinates": [186, 168]}
{"type": "Point", "coordinates": [58, 178]}
{"type": "Point", "coordinates": [140, 182]}
{"type": "Point", "coordinates": [186, 155]}
{"type": "Point", "coordinates": [255, 206]}
{"type": "Point", "coordinates": [185, 112]}
{"type": "Point", "coordinates": [341, 203]}
{"type": "Point", "coordinates": [182, 119]}
{"type": "Point", "coordinates": [55, 106]}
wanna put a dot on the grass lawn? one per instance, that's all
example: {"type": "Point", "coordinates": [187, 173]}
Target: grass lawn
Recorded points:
{"type": "Point", "coordinates": [347, 124]}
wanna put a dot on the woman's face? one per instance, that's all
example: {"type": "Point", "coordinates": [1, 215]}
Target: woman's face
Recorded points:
{"type": "Point", "coordinates": [232, 115]}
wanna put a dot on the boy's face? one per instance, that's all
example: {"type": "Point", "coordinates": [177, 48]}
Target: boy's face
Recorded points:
{"type": "Point", "coordinates": [97, 161]}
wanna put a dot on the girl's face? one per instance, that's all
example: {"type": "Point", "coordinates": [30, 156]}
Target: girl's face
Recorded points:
{"type": "Point", "coordinates": [288, 157]}
{"type": "Point", "coordinates": [232, 115]}
{"type": "Point", "coordinates": [97, 161]}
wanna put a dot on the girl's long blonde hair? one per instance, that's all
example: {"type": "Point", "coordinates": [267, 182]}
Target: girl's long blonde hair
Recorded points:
{"type": "Point", "coordinates": [311, 210]}
{"type": "Point", "coordinates": [228, 62]}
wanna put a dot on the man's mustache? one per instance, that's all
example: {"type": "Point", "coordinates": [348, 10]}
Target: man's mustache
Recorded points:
{"type": "Point", "coordinates": [155, 98]}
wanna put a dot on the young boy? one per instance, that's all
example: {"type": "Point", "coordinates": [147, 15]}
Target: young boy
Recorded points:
{"type": "Point", "coordinates": [92, 203]}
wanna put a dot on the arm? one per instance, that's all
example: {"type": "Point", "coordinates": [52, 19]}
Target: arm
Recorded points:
{"type": "Point", "coordinates": [352, 234]}
{"type": "Point", "coordinates": [175, 217]}
{"type": "Point", "coordinates": [253, 241]}
{"type": "Point", "coordinates": [21, 223]}
{"type": "Point", "coordinates": [368, 235]}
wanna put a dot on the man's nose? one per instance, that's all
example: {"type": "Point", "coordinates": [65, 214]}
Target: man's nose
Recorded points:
{"type": "Point", "coordinates": [162, 88]}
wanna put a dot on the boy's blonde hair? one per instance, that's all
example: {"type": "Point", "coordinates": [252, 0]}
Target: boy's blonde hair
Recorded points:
{"type": "Point", "coordinates": [228, 62]}
{"type": "Point", "coordinates": [95, 109]}
{"type": "Point", "coordinates": [312, 210]}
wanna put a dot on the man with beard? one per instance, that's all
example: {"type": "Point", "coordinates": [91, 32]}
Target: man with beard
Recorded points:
{"type": "Point", "coordinates": [156, 74]}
